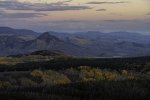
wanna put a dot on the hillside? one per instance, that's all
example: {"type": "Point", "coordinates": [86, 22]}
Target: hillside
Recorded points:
{"type": "Point", "coordinates": [80, 44]}
{"type": "Point", "coordinates": [76, 79]}
{"type": "Point", "coordinates": [18, 33]}
{"type": "Point", "coordinates": [36, 56]}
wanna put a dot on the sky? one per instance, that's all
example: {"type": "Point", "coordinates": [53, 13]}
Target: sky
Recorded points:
{"type": "Point", "coordinates": [76, 15]}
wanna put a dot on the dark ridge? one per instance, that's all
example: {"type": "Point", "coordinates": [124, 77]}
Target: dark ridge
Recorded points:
{"type": "Point", "coordinates": [47, 53]}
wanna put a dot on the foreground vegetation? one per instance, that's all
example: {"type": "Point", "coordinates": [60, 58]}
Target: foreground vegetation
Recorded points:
{"type": "Point", "coordinates": [77, 79]}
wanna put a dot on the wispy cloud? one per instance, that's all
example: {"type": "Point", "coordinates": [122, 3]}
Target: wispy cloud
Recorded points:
{"type": "Point", "coordinates": [101, 10]}
{"type": "Point", "coordinates": [120, 2]}
{"type": "Point", "coordinates": [21, 15]}
{"type": "Point", "coordinates": [57, 6]}
{"type": "Point", "coordinates": [122, 21]}
{"type": "Point", "coordinates": [148, 14]}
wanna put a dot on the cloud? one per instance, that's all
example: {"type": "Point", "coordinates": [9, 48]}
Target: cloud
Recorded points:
{"type": "Point", "coordinates": [125, 21]}
{"type": "Point", "coordinates": [101, 10]}
{"type": "Point", "coordinates": [65, 21]}
{"type": "Point", "coordinates": [148, 14]}
{"type": "Point", "coordinates": [120, 2]}
{"type": "Point", "coordinates": [116, 21]}
{"type": "Point", "coordinates": [57, 6]}
{"type": "Point", "coordinates": [21, 15]}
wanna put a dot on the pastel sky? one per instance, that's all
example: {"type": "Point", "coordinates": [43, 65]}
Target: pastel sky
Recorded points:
{"type": "Point", "coordinates": [76, 15]}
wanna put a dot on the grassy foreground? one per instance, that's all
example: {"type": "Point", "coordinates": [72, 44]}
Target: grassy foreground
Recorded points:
{"type": "Point", "coordinates": [76, 79]}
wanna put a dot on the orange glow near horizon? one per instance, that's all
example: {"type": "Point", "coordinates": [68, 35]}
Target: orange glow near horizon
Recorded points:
{"type": "Point", "coordinates": [77, 15]}
{"type": "Point", "coordinates": [133, 9]}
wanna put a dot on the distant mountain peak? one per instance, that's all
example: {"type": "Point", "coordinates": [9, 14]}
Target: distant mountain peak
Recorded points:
{"type": "Point", "coordinates": [10, 31]}
{"type": "Point", "coordinates": [46, 36]}
{"type": "Point", "coordinates": [6, 30]}
{"type": "Point", "coordinates": [5, 27]}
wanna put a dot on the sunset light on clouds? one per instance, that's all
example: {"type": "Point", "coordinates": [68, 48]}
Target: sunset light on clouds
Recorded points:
{"type": "Point", "coordinates": [76, 15]}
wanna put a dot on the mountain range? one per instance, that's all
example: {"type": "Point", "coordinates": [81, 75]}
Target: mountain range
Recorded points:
{"type": "Point", "coordinates": [80, 44]}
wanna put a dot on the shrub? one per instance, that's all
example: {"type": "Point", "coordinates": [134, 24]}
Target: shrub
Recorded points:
{"type": "Point", "coordinates": [53, 77]}
{"type": "Point", "coordinates": [50, 77]}
{"type": "Point", "coordinates": [4, 84]}
{"type": "Point", "coordinates": [124, 72]}
{"type": "Point", "coordinates": [26, 82]}
{"type": "Point", "coordinates": [37, 73]}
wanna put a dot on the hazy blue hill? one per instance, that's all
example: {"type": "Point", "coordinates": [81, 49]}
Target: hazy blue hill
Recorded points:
{"type": "Point", "coordinates": [49, 42]}
{"type": "Point", "coordinates": [109, 44]}
{"type": "Point", "coordinates": [20, 33]}
{"type": "Point", "coordinates": [81, 44]}
{"type": "Point", "coordinates": [8, 30]}
{"type": "Point", "coordinates": [48, 37]}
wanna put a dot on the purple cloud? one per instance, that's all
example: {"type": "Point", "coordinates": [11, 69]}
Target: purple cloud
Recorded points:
{"type": "Point", "coordinates": [58, 6]}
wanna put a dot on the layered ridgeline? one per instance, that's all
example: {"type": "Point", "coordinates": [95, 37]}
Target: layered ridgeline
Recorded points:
{"type": "Point", "coordinates": [83, 44]}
